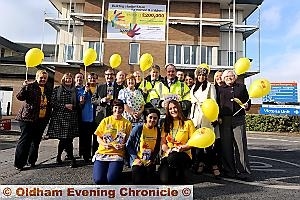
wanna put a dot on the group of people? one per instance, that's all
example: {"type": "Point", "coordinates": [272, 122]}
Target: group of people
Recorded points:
{"type": "Point", "coordinates": [146, 121]}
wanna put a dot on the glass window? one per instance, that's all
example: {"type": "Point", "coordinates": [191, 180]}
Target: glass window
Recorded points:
{"type": "Point", "coordinates": [194, 55]}
{"type": "Point", "coordinates": [96, 46]}
{"type": "Point", "coordinates": [203, 54]}
{"type": "Point", "coordinates": [178, 54]}
{"type": "Point", "coordinates": [209, 56]}
{"type": "Point", "coordinates": [230, 58]}
{"type": "Point", "coordinates": [2, 52]}
{"type": "Point", "coordinates": [171, 54]}
{"type": "Point", "coordinates": [190, 55]}
{"type": "Point", "coordinates": [186, 55]}
{"type": "Point", "coordinates": [134, 53]}
{"type": "Point", "coordinates": [69, 49]}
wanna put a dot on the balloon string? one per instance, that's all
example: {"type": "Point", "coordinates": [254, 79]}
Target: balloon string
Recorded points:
{"type": "Point", "coordinates": [26, 75]}
{"type": "Point", "coordinates": [240, 109]}
{"type": "Point", "coordinates": [85, 73]}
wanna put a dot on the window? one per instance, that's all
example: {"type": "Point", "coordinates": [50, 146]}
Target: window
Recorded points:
{"type": "Point", "coordinates": [71, 28]}
{"type": "Point", "coordinates": [230, 58]}
{"type": "Point", "coordinates": [189, 55]}
{"type": "Point", "coordinates": [73, 7]}
{"type": "Point", "coordinates": [69, 49]}
{"type": "Point", "coordinates": [96, 46]}
{"type": "Point", "coordinates": [134, 53]}
{"type": "Point", "coordinates": [171, 53]}
{"type": "Point", "coordinates": [2, 52]}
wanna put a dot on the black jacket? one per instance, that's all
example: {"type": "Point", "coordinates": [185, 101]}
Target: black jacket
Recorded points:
{"type": "Point", "coordinates": [104, 109]}
{"type": "Point", "coordinates": [31, 95]}
{"type": "Point", "coordinates": [225, 95]}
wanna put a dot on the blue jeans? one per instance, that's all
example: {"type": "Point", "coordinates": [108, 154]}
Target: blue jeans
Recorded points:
{"type": "Point", "coordinates": [107, 172]}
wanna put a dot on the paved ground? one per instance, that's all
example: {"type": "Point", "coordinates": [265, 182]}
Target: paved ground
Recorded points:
{"type": "Point", "coordinates": [274, 160]}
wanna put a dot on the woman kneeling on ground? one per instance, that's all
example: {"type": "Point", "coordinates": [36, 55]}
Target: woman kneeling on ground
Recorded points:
{"type": "Point", "coordinates": [112, 134]}
{"type": "Point", "coordinates": [143, 145]}
{"type": "Point", "coordinates": [177, 130]}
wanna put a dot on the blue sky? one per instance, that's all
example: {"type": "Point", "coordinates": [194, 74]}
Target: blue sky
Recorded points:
{"type": "Point", "coordinates": [22, 21]}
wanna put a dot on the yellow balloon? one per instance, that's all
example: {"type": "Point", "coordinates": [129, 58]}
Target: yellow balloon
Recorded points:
{"type": "Point", "coordinates": [210, 109]}
{"type": "Point", "coordinates": [115, 60]}
{"type": "Point", "coordinates": [259, 88]}
{"type": "Point", "coordinates": [34, 57]}
{"type": "Point", "coordinates": [90, 56]}
{"type": "Point", "coordinates": [146, 61]}
{"type": "Point", "coordinates": [241, 66]}
{"type": "Point", "coordinates": [202, 138]}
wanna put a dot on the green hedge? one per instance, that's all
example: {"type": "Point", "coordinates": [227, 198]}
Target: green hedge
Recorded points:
{"type": "Point", "coordinates": [271, 123]}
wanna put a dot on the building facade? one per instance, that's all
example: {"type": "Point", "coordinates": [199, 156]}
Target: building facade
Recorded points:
{"type": "Point", "coordinates": [183, 32]}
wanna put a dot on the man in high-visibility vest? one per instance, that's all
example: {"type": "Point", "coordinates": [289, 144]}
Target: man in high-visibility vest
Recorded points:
{"type": "Point", "coordinates": [177, 89]}
{"type": "Point", "coordinates": [154, 87]}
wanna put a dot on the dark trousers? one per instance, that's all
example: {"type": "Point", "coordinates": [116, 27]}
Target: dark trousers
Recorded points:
{"type": "Point", "coordinates": [67, 145]}
{"type": "Point", "coordinates": [107, 172]}
{"type": "Point", "coordinates": [234, 145]}
{"type": "Point", "coordinates": [143, 174]}
{"type": "Point", "coordinates": [86, 132]}
{"type": "Point", "coordinates": [172, 168]}
{"type": "Point", "coordinates": [95, 144]}
{"type": "Point", "coordinates": [28, 145]}
{"type": "Point", "coordinates": [208, 155]}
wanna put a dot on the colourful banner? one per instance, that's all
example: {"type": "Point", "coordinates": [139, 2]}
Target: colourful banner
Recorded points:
{"type": "Point", "coordinates": [136, 21]}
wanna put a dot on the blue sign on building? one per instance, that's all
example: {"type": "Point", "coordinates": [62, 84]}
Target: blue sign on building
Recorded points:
{"type": "Point", "coordinates": [280, 110]}
{"type": "Point", "coordinates": [282, 93]}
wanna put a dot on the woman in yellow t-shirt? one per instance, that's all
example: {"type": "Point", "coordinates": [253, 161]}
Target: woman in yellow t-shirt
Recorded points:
{"type": "Point", "coordinates": [143, 146]}
{"type": "Point", "coordinates": [112, 134]}
{"type": "Point", "coordinates": [176, 131]}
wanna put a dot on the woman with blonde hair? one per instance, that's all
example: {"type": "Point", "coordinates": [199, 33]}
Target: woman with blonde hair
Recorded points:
{"type": "Point", "coordinates": [33, 118]}
{"type": "Point", "coordinates": [64, 118]}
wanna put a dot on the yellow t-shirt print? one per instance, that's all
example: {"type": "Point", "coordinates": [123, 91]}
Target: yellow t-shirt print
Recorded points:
{"type": "Point", "coordinates": [147, 143]}
{"type": "Point", "coordinates": [112, 130]}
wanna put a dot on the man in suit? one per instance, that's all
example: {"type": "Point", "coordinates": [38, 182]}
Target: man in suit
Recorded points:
{"type": "Point", "coordinates": [103, 98]}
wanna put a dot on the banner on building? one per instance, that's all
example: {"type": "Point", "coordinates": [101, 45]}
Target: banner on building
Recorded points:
{"type": "Point", "coordinates": [136, 21]}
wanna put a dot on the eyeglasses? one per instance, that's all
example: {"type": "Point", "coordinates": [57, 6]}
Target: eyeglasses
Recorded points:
{"type": "Point", "coordinates": [109, 74]}
{"type": "Point", "coordinates": [229, 76]}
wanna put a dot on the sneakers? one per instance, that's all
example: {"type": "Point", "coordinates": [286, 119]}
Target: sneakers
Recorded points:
{"type": "Point", "coordinates": [19, 168]}
{"type": "Point", "coordinates": [216, 172]}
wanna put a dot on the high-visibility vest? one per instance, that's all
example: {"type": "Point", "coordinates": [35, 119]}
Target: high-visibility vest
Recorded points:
{"type": "Point", "coordinates": [157, 91]}
{"type": "Point", "coordinates": [145, 84]}
{"type": "Point", "coordinates": [181, 89]}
